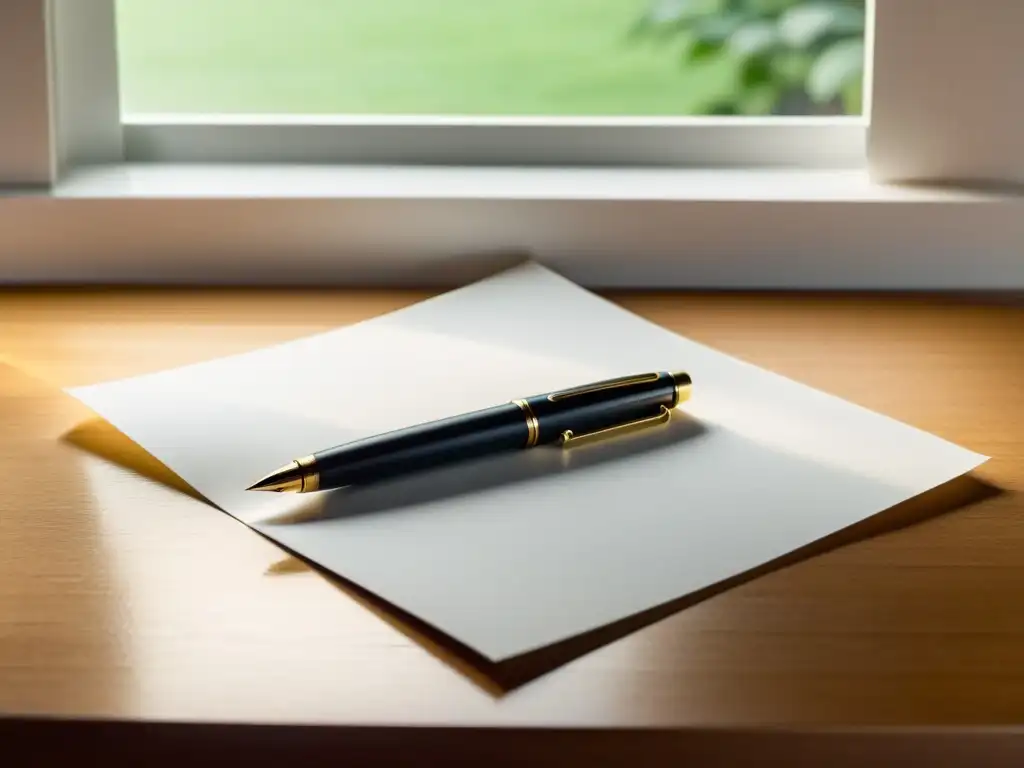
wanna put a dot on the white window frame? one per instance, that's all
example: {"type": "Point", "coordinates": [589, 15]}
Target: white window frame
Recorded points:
{"type": "Point", "coordinates": [687, 202]}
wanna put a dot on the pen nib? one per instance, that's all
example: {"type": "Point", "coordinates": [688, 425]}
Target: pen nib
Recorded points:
{"type": "Point", "coordinates": [285, 479]}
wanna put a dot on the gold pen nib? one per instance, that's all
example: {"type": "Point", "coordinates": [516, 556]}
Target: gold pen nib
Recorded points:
{"type": "Point", "coordinates": [299, 476]}
{"type": "Point", "coordinates": [288, 478]}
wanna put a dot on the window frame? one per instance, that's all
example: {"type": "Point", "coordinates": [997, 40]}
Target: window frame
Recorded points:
{"type": "Point", "coordinates": [724, 210]}
{"type": "Point", "coordinates": [682, 142]}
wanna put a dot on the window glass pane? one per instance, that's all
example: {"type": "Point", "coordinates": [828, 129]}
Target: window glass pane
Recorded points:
{"type": "Point", "coordinates": [492, 57]}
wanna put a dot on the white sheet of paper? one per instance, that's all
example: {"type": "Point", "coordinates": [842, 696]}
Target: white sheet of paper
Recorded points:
{"type": "Point", "coordinates": [515, 552]}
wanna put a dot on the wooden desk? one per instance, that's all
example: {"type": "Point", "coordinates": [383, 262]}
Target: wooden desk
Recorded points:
{"type": "Point", "coordinates": [124, 599]}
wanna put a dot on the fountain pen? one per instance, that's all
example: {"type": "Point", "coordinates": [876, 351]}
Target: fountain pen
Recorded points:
{"type": "Point", "coordinates": [568, 417]}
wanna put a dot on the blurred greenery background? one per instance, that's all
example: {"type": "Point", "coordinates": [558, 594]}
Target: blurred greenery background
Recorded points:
{"type": "Point", "coordinates": [493, 57]}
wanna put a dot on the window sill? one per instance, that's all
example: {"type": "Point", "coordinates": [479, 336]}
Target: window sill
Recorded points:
{"type": "Point", "coordinates": [702, 228]}
{"type": "Point", "coordinates": [243, 182]}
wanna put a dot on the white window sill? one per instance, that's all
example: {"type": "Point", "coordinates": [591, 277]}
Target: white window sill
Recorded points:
{"type": "Point", "coordinates": [509, 183]}
{"type": "Point", "coordinates": [305, 224]}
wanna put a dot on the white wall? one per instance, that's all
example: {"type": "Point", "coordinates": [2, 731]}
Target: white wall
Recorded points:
{"type": "Point", "coordinates": [25, 156]}
{"type": "Point", "coordinates": [950, 105]}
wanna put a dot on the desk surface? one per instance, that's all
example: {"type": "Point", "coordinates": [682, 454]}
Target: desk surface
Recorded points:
{"type": "Point", "coordinates": [123, 598]}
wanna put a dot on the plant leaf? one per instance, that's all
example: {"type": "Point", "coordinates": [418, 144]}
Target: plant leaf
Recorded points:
{"type": "Point", "coordinates": [722, 108]}
{"type": "Point", "coordinates": [835, 69]}
{"type": "Point", "coordinates": [803, 25]}
{"type": "Point", "coordinates": [756, 72]}
{"type": "Point", "coordinates": [702, 50]}
{"type": "Point", "coordinates": [760, 100]}
{"type": "Point", "coordinates": [768, 8]}
{"type": "Point", "coordinates": [673, 11]}
{"type": "Point", "coordinates": [718, 29]}
{"type": "Point", "coordinates": [792, 66]}
{"type": "Point", "coordinates": [853, 98]}
{"type": "Point", "coordinates": [754, 38]}
{"type": "Point", "coordinates": [710, 36]}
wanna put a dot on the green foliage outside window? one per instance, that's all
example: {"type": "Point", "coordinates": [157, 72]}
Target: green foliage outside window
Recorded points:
{"type": "Point", "coordinates": [792, 57]}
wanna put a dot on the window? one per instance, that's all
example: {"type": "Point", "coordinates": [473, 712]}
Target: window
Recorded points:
{"type": "Point", "coordinates": [552, 58]}
{"type": "Point", "coordinates": [754, 79]}
{"type": "Point", "coordinates": [510, 82]}
{"type": "Point", "coordinates": [178, 144]}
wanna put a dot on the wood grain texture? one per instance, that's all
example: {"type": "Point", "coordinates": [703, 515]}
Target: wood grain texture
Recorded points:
{"type": "Point", "coordinates": [121, 596]}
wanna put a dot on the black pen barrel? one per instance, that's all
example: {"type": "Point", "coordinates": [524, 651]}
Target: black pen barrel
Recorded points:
{"type": "Point", "coordinates": [602, 407]}
{"type": "Point", "coordinates": [424, 446]}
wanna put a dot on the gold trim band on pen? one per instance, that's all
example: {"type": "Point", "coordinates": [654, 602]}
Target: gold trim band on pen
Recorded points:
{"type": "Point", "coordinates": [310, 476]}
{"type": "Point", "coordinates": [683, 385]}
{"type": "Point", "coordinates": [532, 425]}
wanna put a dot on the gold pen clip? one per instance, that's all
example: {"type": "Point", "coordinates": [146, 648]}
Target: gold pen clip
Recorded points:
{"type": "Point", "coordinates": [571, 440]}
{"type": "Point", "coordinates": [624, 381]}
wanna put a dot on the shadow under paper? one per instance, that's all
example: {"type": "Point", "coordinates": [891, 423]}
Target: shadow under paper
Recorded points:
{"type": "Point", "coordinates": [101, 438]}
